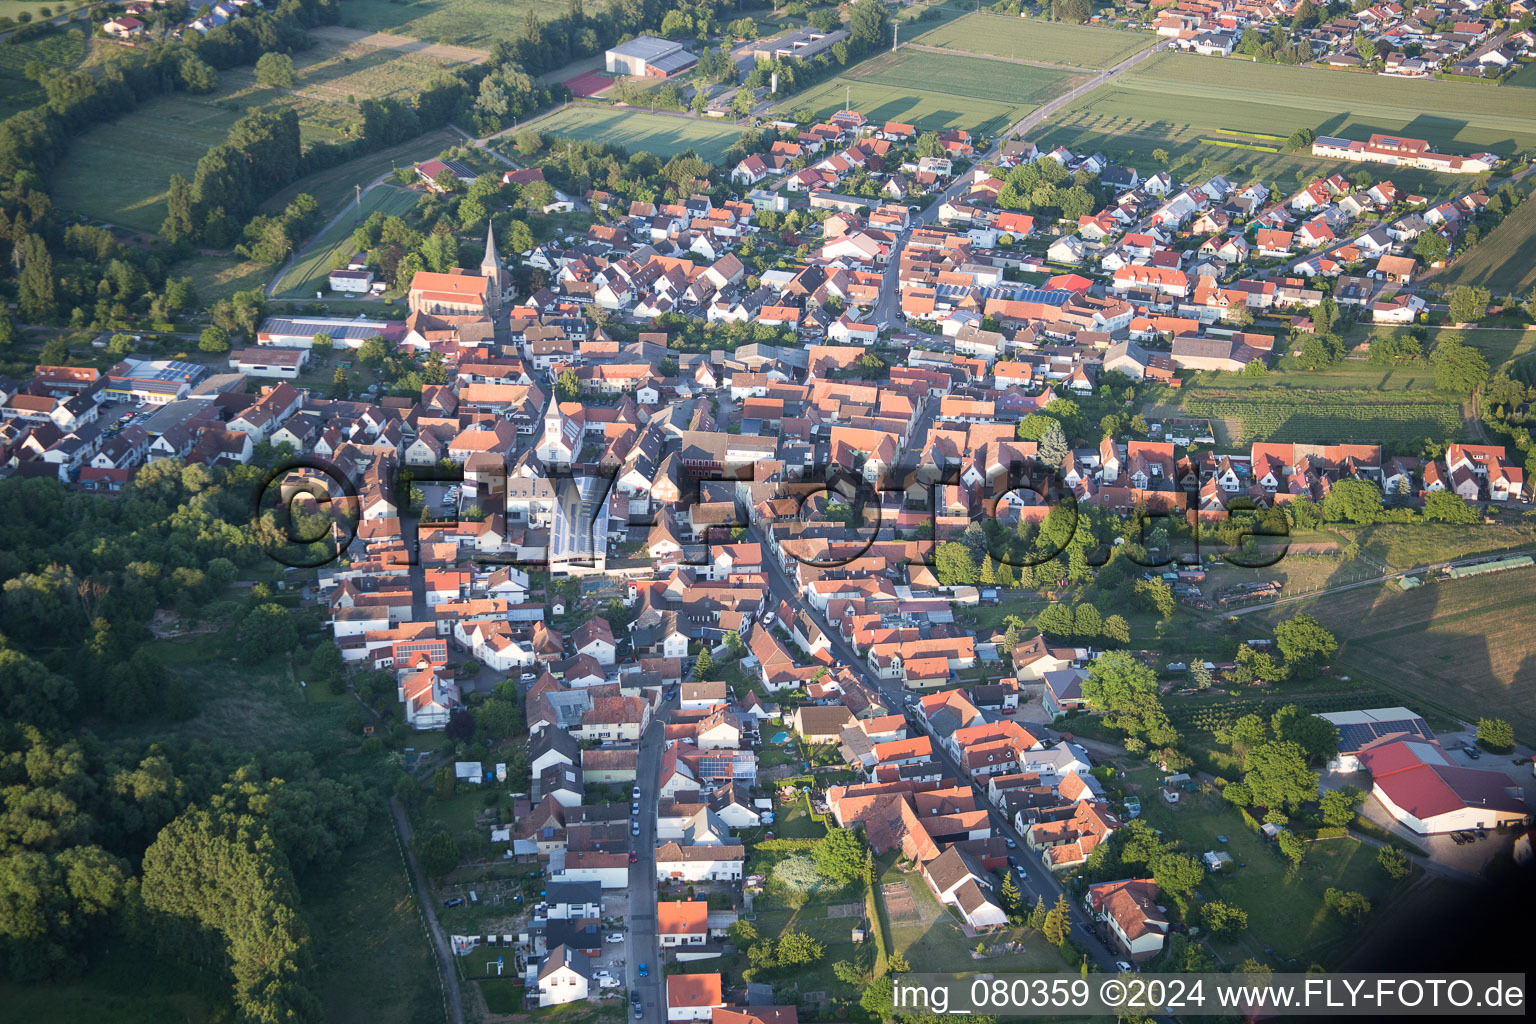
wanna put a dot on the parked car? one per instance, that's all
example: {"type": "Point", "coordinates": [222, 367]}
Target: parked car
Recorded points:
{"type": "Point", "coordinates": [1124, 965]}
{"type": "Point", "coordinates": [634, 793]}
{"type": "Point", "coordinates": [634, 858]}
{"type": "Point", "coordinates": [1471, 752]}
{"type": "Point", "coordinates": [1011, 844]}
{"type": "Point", "coordinates": [457, 901]}
{"type": "Point", "coordinates": [1458, 839]}
{"type": "Point", "coordinates": [634, 827]}
{"type": "Point", "coordinates": [644, 970]}
{"type": "Point", "coordinates": [1482, 833]}
{"type": "Point", "coordinates": [614, 937]}
{"type": "Point", "coordinates": [768, 619]}
{"type": "Point", "coordinates": [634, 809]}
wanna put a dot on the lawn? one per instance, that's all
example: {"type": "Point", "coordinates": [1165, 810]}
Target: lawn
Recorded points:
{"type": "Point", "coordinates": [1461, 648]}
{"type": "Point", "coordinates": [1288, 923]}
{"type": "Point", "coordinates": [119, 171]}
{"type": "Point", "coordinates": [123, 985]}
{"type": "Point", "coordinates": [309, 274]}
{"type": "Point", "coordinates": [1505, 260]}
{"type": "Point", "coordinates": [462, 21]}
{"type": "Point", "coordinates": [638, 131]}
{"type": "Point", "coordinates": [937, 91]}
{"type": "Point", "coordinates": [369, 935]}
{"type": "Point", "coordinates": [1033, 39]}
{"type": "Point", "coordinates": [219, 277]}
{"type": "Point", "coordinates": [57, 50]}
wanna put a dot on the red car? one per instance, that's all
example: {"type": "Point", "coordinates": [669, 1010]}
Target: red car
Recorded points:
{"type": "Point", "coordinates": [634, 858]}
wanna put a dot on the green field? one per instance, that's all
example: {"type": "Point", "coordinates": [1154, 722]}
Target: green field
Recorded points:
{"type": "Point", "coordinates": [936, 91]}
{"type": "Point", "coordinates": [1504, 261]}
{"type": "Point", "coordinates": [1208, 93]}
{"type": "Point", "coordinates": [1472, 650]}
{"type": "Point", "coordinates": [639, 132]}
{"type": "Point", "coordinates": [119, 172]}
{"type": "Point", "coordinates": [309, 273]}
{"type": "Point", "coordinates": [1334, 415]}
{"type": "Point", "coordinates": [1033, 39]}
{"type": "Point", "coordinates": [465, 22]}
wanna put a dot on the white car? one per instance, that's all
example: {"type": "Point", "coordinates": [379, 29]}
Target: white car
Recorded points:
{"type": "Point", "coordinates": [1124, 965]}
{"type": "Point", "coordinates": [634, 793]}
{"type": "Point", "coordinates": [768, 619]}
{"type": "Point", "coordinates": [614, 937]}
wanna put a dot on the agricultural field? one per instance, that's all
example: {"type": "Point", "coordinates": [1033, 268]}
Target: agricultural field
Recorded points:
{"type": "Point", "coordinates": [14, 9]}
{"type": "Point", "coordinates": [937, 91]}
{"type": "Point", "coordinates": [59, 50]}
{"type": "Point", "coordinates": [1230, 117]}
{"type": "Point", "coordinates": [1504, 261]}
{"type": "Point", "coordinates": [1032, 39]}
{"type": "Point", "coordinates": [465, 22]}
{"type": "Point", "coordinates": [1462, 648]}
{"type": "Point", "coordinates": [119, 172]}
{"type": "Point", "coordinates": [1324, 414]}
{"type": "Point", "coordinates": [636, 130]}
{"type": "Point", "coordinates": [309, 272]}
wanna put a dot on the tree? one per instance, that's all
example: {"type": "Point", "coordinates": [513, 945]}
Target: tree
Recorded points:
{"type": "Point", "coordinates": [1338, 807]}
{"type": "Point", "coordinates": [954, 566]}
{"type": "Point", "coordinates": [1305, 642]}
{"type": "Point", "coordinates": [1394, 862]}
{"type": "Point", "coordinates": [896, 963]}
{"type": "Point", "coordinates": [1291, 846]}
{"type": "Point", "coordinates": [796, 949]}
{"type": "Point", "coordinates": [1469, 303]}
{"type": "Point", "coordinates": [1277, 775]}
{"type": "Point", "coordinates": [1247, 733]}
{"type": "Point", "coordinates": [848, 973]}
{"type": "Point", "coordinates": [375, 350]}
{"type": "Point", "coordinates": [322, 344]}
{"type": "Point", "coordinates": [1012, 902]}
{"type": "Point", "coordinates": [1037, 916]}
{"type": "Point", "coordinates": [703, 665]}
{"type": "Point", "coordinates": [266, 630]}
{"type": "Point", "coordinates": [438, 855]}
{"type": "Point", "coordinates": [568, 386]}
{"type": "Point", "coordinates": [1115, 679]}
{"type": "Point", "coordinates": [178, 223]}
{"type": "Point", "coordinates": [1117, 629]}
{"type": "Point", "coordinates": [1053, 444]}
{"type": "Point", "coordinates": [275, 70]}
{"type": "Point", "coordinates": [444, 784]}
{"type": "Point", "coordinates": [1349, 905]}
{"type": "Point", "coordinates": [1301, 138]}
{"type": "Point", "coordinates": [1448, 507]}
{"type": "Point", "coordinates": [1224, 918]}
{"type": "Point", "coordinates": [1365, 46]}
{"type": "Point", "coordinates": [36, 281]}
{"type": "Point", "coordinates": [839, 856]}
{"type": "Point", "coordinates": [1431, 248]}
{"type": "Point", "coordinates": [1317, 737]}
{"type": "Point", "coordinates": [213, 339]}
{"type": "Point", "coordinates": [1058, 922]}
{"type": "Point", "coordinates": [868, 25]}
{"type": "Point", "coordinates": [1177, 872]}
{"type": "Point", "coordinates": [742, 934]}
{"type": "Point", "coordinates": [1157, 596]}
{"type": "Point", "coordinates": [1496, 734]}
{"type": "Point", "coordinates": [1358, 501]}
{"type": "Point", "coordinates": [1458, 367]}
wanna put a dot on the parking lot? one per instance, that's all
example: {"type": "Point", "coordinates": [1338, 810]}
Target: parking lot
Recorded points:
{"type": "Point", "coordinates": [440, 499]}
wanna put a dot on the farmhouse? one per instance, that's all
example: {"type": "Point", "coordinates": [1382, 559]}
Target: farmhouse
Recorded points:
{"type": "Point", "coordinates": [648, 57]}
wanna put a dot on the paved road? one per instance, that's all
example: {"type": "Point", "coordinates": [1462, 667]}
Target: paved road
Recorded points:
{"type": "Point", "coordinates": [1037, 881]}
{"type": "Point", "coordinates": [640, 944]}
{"type": "Point", "coordinates": [450, 977]}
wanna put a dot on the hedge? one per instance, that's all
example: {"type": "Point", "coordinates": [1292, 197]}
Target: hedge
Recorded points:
{"type": "Point", "coordinates": [1248, 819]}
{"type": "Point", "coordinates": [784, 845]}
{"type": "Point", "coordinates": [877, 928]}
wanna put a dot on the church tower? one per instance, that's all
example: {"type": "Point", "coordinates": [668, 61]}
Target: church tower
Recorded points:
{"type": "Point", "coordinates": [502, 289]}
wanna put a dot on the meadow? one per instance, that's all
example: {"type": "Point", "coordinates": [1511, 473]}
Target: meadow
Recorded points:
{"type": "Point", "coordinates": [1505, 260]}
{"type": "Point", "coordinates": [118, 172]}
{"type": "Point", "coordinates": [465, 22]}
{"type": "Point", "coordinates": [1033, 39]}
{"type": "Point", "coordinates": [310, 272]}
{"type": "Point", "coordinates": [1463, 648]}
{"type": "Point", "coordinates": [638, 131]}
{"type": "Point", "coordinates": [937, 91]}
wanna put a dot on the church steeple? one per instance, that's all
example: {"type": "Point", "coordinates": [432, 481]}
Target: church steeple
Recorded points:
{"type": "Point", "coordinates": [491, 268]}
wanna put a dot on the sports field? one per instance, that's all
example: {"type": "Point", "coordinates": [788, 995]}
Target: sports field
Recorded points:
{"type": "Point", "coordinates": [309, 273]}
{"type": "Point", "coordinates": [1033, 39]}
{"type": "Point", "coordinates": [1505, 260]}
{"type": "Point", "coordinates": [639, 132]}
{"type": "Point", "coordinates": [1463, 648]}
{"type": "Point", "coordinates": [119, 172]}
{"type": "Point", "coordinates": [936, 91]}
{"type": "Point", "coordinates": [466, 22]}
{"type": "Point", "coordinates": [1175, 91]}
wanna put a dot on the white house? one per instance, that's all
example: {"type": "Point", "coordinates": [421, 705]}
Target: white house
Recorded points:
{"type": "Point", "coordinates": [563, 977]}
{"type": "Point", "coordinates": [699, 863]}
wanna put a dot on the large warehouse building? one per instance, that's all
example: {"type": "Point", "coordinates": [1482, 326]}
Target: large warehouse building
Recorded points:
{"type": "Point", "coordinates": [649, 57]}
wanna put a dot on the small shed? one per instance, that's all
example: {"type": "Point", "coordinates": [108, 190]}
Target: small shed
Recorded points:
{"type": "Point", "coordinates": [468, 771]}
{"type": "Point", "coordinates": [1170, 796]}
{"type": "Point", "coordinates": [1269, 830]}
